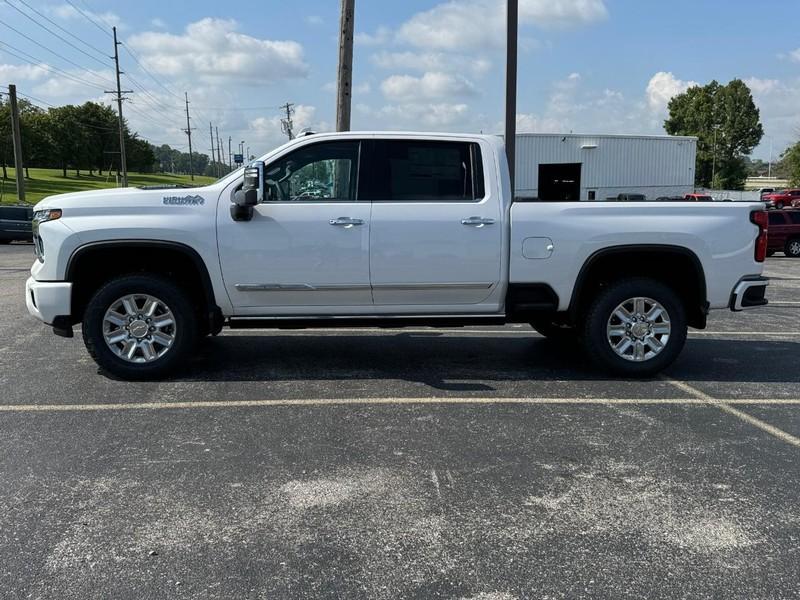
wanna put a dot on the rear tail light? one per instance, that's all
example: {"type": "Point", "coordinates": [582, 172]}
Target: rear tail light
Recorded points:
{"type": "Point", "coordinates": [761, 218]}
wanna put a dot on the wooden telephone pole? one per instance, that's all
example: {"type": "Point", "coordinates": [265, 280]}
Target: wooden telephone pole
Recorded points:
{"type": "Point", "coordinates": [344, 82]}
{"type": "Point", "coordinates": [511, 88]}
{"type": "Point", "coordinates": [17, 135]}
{"type": "Point", "coordinates": [119, 94]}
{"type": "Point", "coordinates": [189, 133]}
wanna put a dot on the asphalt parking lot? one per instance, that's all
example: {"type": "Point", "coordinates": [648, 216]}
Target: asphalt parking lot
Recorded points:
{"type": "Point", "coordinates": [483, 463]}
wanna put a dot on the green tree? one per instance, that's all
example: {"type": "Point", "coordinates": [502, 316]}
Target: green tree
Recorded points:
{"type": "Point", "coordinates": [99, 123]}
{"type": "Point", "coordinates": [68, 138]}
{"type": "Point", "coordinates": [790, 162]}
{"type": "Point", "coordinates": [728, 126]}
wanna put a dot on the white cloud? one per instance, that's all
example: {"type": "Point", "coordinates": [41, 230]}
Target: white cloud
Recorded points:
{"type": "Point", "coordinates": [69, 12]}
{"type": "Point", "coordinates": [794, 55]}
{"type": "Point", "coordinates": [431, 61]}
{"type": "Point", "coordinates": [158, 23]}
{"type": "Point", "coordinates": [213, 51]}
{"type": "Point", "coordinates": [663, 86]}
{"type": "Point", "coordinates": [314, 20]}
{"type": "Point", "coordinates": [23, 72]}
{"type": "Point", "coordinates": [531, 123]}
{"type": "Point", "coordinates": [419, 115]}
{"type": "Point", "coordinates": [777, 101]}
{"type": "Point", "coordinates": [432, 85]}
{"type": "Point", "coordinates": [474, 23]}
{"type": "Point", "coordinates": [382, 35]}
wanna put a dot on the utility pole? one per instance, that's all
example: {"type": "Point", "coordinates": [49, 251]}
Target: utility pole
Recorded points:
{"type": "Point", "coordinates": [213, 161]}
{"type": "Point", "coordinates": [16, 134]}
{"type": "Point", "coordinates": [511, 87]}
{"type": "Point", "coordinates": [118, 93]}
{"type": "Point", "coordinates": [287, 124]}
{"type": "Point", "coordinates": [344, 78]}
{"type": "Point", "coordinates": [769, 168]}
{"type": "Point", "coordinates": [230, 156]}
{"type": "Point", "coordinates": [714, 159]}
{"type": "Point", "coordinates": [189, 133]}
{"type": "Point", "coordinates": [219, 152]}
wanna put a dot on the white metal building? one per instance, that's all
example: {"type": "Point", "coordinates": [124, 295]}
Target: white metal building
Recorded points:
{"type": "Point", "coordinates": [597, 167]}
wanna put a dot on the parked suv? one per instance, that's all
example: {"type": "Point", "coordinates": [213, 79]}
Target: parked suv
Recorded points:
{"type": "Point", "coordinates": [784, 233]}
{"type": "Point", "coordinates": [15, 224]}
{"type": "Point", "coordinates": [782, 199]}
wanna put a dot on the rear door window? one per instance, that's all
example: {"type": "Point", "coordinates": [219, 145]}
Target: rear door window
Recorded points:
{"type": "Point", "coordinates": [425, 171]}
{"type": "Point", "coordinates": [794, 218]}
{"type": "Point", "coordinates": [776, 219]}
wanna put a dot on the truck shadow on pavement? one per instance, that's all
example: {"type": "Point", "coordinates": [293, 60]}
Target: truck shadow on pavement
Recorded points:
{"type": "Point", "coordinates": [464, 363]}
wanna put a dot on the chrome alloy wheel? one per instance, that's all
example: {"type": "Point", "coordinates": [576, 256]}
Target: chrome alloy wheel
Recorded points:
{"type": "Point", "coordinates": [139, 328]}
{"type": "Point", "coordinates": [638, 329]}
{"type": "Point", "coordinates": [794, 248]}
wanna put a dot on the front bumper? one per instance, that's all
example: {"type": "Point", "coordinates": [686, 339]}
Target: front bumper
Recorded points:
{"type": "Point", "coordinates": [749, 293]}
{"type": "Point", "coordinates": [48, 300]}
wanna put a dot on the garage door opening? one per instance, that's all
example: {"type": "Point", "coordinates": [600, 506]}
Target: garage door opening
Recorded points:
{"type": "Point", "coordinates": [560, 183]}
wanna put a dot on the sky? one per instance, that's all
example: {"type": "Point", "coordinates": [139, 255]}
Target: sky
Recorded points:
{"type": "Point", "coordinates": [585, 66]}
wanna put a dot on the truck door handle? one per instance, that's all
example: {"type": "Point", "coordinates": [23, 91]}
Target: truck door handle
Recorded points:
{"type": "Point", "coordinates": [346, 222]}
{"type": "Point", "coordinates": [477, 221]}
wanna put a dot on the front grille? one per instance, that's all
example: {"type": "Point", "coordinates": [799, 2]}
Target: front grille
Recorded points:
{"type": "Point", "coordinates": [38, 247]}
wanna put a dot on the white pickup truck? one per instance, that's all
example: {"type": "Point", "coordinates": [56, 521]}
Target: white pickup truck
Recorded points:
{"type": "Point", "coordinates": [385, 229]}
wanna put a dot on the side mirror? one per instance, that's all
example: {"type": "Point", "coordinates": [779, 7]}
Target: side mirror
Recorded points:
{"type": "Point", "coordinates": [251, 194]}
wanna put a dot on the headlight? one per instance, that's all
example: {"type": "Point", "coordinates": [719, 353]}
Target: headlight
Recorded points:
{"type": "Point", "coordinates": [39, 217]}
{"type": "Point", "coordinates": [43, 216]}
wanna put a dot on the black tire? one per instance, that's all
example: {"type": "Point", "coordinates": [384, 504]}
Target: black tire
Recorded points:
{"type": "Point", "coordinates": [597, 343]}
{"type": "Point", "coordinates": [779, 206]}
{"type": "Point", "coordinates": [4, 241]}
{"type": "Point", "coordinates": [173, 297]}
{"type": "Point", "coordinates": [554, 331]}
{"type": "Point", "coordinates": [792, 248]}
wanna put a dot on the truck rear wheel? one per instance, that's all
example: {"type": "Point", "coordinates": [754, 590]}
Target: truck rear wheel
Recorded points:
{"type": "Point", "coordinates": [635, 327]}
{"type": "Point", "coordinates": [139, 327]}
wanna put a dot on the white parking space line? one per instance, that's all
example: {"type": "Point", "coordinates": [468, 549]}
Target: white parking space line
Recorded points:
{"type": "Point", "coordinates": [725, 406]}
{"type": "Point", "coordinates": [695, 400]}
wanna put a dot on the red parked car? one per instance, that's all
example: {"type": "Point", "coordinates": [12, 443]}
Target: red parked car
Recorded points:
{"type": "Point", "coordinates": [782, 198]}
{"type": "Point", "coordinates": [784, 233]}
{"type": "Point", "coordinates": [698, 198]}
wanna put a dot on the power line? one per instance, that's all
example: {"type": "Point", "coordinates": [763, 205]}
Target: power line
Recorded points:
{"type": "Point", "coordinates": [88, 18]}
{"type": "Point", "coordinates": [66, 41]}
{"type": "Point", "coordinates": [35, 99]}
{"type": "Point", "coordinates": [46, 67]}
{"type": "Point", "coordinates": [153, 101]}
{"type": "Point", "coordinates": [51, 51]}
{"type": "Point", "coordinates": [150, 118]}
{"type": "Point", "coordinates": [153, 77]}
{"type": "Point", "coordinates": [49, 20]}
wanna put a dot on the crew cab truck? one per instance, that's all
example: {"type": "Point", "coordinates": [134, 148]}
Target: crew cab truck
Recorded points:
{"type": "Point", "coordinates": [401, 229]}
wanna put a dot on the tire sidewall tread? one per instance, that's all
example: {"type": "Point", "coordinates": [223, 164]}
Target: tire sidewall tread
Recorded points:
{"type": "Point", "coordinates": [593, 328]}
{"type": "Point", "coordinates": [163, 289]}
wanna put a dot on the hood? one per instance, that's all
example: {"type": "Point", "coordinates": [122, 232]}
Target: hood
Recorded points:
{"type": "Point", "coordinates": [127, 197]}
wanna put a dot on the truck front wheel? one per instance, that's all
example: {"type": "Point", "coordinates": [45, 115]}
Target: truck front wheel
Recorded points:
{"type": "Point", "coordinates": [139, 327]}
{"type": "Point", "coordinates": [635, 327]}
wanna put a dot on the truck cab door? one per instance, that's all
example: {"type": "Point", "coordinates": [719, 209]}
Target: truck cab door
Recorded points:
{"type": "Point", "coordinates": [306, 249]}
{"type": "Point", "coordinates": [437, 230]}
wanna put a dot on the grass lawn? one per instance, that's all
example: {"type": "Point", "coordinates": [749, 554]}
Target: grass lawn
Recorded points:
{"type": "Point", "coordinates": [46, 182]}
